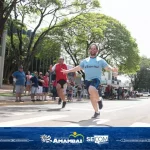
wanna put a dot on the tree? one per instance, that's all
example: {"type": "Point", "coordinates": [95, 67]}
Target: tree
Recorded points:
{"type": "Point", "coordinates": [47, 48]}
{"type": "Point", "coordinates": [23, 46]}
{"type": "Point", "coordinates": [141, 80]}
{"type": "Point", "coordinates": [38, 11]}
{"type": "Point", "coordinates": [115, 42]}
{"type": "Point", "coordinates": [13, 54]}
{"type": "Point", "coordinates": [6, 6]}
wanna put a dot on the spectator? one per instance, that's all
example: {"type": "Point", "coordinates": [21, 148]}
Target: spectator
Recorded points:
{"type": "Point", "coordinates": [20, 83]}
{"type": "Point", "coordinates": [28, 83]}
{"type": "Point", "coordinates": [40, 87]}
{"type": "Point", "coordinates": [54, 91]}
{"type": "Point", "coordinates": [34, 87]}
{"type": "Point", "coordinates": [79, 90]}
{"type": "Point", "coordinates": [45, 85]}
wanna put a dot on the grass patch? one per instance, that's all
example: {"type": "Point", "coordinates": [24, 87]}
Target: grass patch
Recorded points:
{"type": "Point", "coordinates": [7, 94]}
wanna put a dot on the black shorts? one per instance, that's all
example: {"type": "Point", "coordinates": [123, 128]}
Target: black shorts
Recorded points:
{"type": "Point", "coordinates": [62, 83]}
{"type": "Point", "coordinates": [45, 89]}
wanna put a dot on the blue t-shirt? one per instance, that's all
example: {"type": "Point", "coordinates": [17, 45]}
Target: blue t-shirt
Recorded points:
{"type": "Point", "coordinates": [93, 67]}
{"type": "Point", "coordinates": [20, 77]}
{"type": "Point", "coordinates": [34, 80]}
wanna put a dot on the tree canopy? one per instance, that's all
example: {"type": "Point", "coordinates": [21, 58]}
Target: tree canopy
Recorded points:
{"type": "Point", "coordinates": [53, 12]}
{"type": "Point", "coordinates": [117, 46]}
{"type": "Point", "coordinates": [25, 45]}
{"type": "Point", "coordinates": [141, 80]}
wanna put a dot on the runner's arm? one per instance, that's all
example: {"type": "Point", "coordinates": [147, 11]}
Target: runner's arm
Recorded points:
{"type": "Point", "coordinates": [77, 68]}
{"type": "Point", "coordinates": [52, 68]}
{"type": "Point", "coordinates": [109, 68]}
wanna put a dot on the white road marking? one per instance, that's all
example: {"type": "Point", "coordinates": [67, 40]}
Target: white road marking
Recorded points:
{"type": "Point", "coordinates": [72, 125]}
{"type": "Point", "coordinates": [94, 123]}
{"type": "Point", "coordinates": [100, 121]}
{"type": "Point", "coordinates": [140, 124]}
{"type": "Point", "coordinates": [22, 113]}
{"type": "Point", "coordinates": [108, 110]}
{"type": "Point", "coordinates": [127, 107]}
{"type": "Point", "coordinates": [30, 120]}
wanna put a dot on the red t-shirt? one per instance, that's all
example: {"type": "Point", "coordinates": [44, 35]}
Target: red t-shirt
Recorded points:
{"type": "Point", "coordinates": [46, 81]}
{"type": "Point", "coordinates": [59, 74]}
{"type": "Point", "coordinates": [54, 83]}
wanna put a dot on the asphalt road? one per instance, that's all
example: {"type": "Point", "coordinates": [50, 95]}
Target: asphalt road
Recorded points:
{"type": "Point", "coordinates": [122, 113]}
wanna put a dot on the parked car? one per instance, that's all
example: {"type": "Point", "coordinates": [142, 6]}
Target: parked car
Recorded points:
{"type": "Point", "coordinates": [146, 94]}
{"type": "Point", "coordinates": [138, 94]}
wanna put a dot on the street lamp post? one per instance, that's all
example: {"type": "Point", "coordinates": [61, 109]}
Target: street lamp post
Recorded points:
{"type": "Point", "coordinates": [2, 56]}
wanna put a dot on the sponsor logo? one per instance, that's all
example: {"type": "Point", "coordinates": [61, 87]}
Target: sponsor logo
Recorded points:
{"type": "Point", "coordinates": [98, 139]}
{"type": "Point", "coordinates": [46, 138]}
{"type": "Point", "coordinates": [73, 138]}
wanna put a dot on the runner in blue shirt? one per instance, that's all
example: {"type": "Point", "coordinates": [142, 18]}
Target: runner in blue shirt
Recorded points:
{"type": "Point", "coordinates": [92, 67]}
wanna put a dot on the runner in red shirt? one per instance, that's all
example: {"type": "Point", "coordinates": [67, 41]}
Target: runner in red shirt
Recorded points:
{"type": "Point", "coordinates": [61, 78]}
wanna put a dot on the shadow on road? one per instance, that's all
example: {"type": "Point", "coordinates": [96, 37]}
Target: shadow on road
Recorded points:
{"type": "Point", "coordinates": [92, 122]}
{"type": "Point", "coordinates": [86, 123]}
{"type": "Point", "coordinates": [54, 109]}
{"type": "Point", "coordinates": [123, 99]}
{"type": "Point", "coordinates": [19, 109]}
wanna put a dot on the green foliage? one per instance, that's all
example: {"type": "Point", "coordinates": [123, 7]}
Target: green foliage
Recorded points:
{"type": "Point", "coordinates": [96, 3]}
{"type": "Point", "coordinates": [12, 53]}
{"type": "Point", "coordinates": [116, 44]}
{"type": "Point", "coordinates": [48, 49]}
{"type": "Point", "coordinates": [141, 80]}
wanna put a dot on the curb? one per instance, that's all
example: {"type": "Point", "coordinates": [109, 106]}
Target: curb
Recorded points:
{"type": "Point", "coordinates": [9, 103]}
{"type": "Point", "coordinates": [4, 103]}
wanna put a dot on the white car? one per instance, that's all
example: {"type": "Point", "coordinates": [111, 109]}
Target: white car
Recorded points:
{"type": "Point", "coordinates": [146, 94]}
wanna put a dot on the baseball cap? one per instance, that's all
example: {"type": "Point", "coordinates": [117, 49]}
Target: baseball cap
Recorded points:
{"type": "Point", "coordinates": [20, 67]}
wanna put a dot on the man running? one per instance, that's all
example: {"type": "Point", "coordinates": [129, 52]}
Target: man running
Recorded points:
{"type": "Point", "coordinates": [92, 67]}
{"type": "Point", "coordinates": [61, 79]}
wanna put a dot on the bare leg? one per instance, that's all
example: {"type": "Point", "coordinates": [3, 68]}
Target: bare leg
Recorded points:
{"type": "Point", "coordinates": [37, 96]}
{"type": "Point", "coordinates": [42, 96]}
{"type": "Point", "coordinates": [94, 97]}
{"type": "Point", "coordinates": [29, 89]}
{"type": "Point", "coordinates": [45, 95]}
{"type": "Point", "coordinates": [17, 95]}
{"type": "Point", "coordinates": [60, 92]}
{"type": "Point", "coordinates": [32, 96]}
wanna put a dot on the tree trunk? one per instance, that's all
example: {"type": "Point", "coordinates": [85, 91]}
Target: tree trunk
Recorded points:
{"type": "Point", "coordinates": [27, 63]}
{"type": "Point", "coordinates": [1, 20]}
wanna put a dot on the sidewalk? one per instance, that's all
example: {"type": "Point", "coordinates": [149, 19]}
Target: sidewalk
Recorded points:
{"type": "Point", "coordinates": [10, 99]}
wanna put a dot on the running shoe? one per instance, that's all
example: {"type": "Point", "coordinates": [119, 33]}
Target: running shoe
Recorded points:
{"type": "Point", "coordinates": [100, 104]}
{"type": "Point", "coordinates": [64, 104]}
{"type": "Point", "coordinates": [96, 115]}
{"type": "Point", "coordinates": [59, 101]}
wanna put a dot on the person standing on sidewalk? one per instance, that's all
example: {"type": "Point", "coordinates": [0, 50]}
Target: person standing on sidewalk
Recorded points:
{"type": "Point", "coordinates": [92, 67]}
{"type": "Point", "coordinates": [45, 85]}
{"type": "Point", "coordinates": [14, 85]}
{"type": "Point", "coordinates": [28, 83]}
{"type": "Point", "coordinates": [40, 88]}
{"type": "Point", "coordinates": [20, 83]}
{"type": "Point", "coordinates": [34, 88]}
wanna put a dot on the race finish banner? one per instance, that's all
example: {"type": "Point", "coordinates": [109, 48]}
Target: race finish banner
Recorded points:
{"type": "Point", "coordinates": [71, 138]}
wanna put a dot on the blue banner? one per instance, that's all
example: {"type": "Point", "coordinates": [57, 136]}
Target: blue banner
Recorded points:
{"type": "Point", "coordinates": [83, 138]}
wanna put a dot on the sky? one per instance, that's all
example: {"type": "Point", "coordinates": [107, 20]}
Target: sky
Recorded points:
{"type": "Point", "coordinates": [135, 15]}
